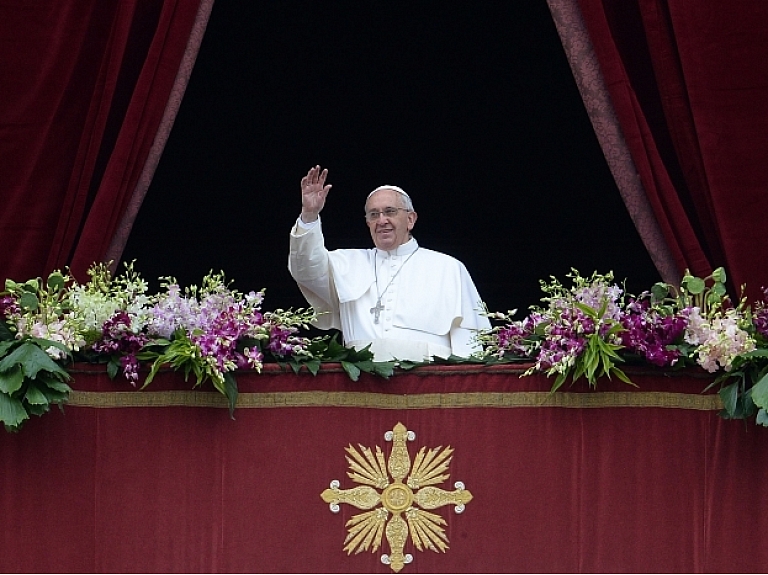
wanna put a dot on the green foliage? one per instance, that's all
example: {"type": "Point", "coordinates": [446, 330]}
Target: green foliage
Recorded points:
{"type": "Point", "coordinates": [30, 381]}
{"type": "Point", "coordinates": [328, 349]}
{"type": "Point", "coordinates": [709, 294]}
{"type": "Point", "coordinates": [744, 389]}
{"type": "Point", "coordinates": [181, 354]}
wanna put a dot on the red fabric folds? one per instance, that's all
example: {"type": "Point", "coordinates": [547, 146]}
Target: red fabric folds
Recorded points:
{"type": "Point", "coordinates": [586, 72]}
{"type": "Point", "coordinates": [598, 486]}
{"type": "Point", "coordinates": [689, 86]}
{"type": "Point", "coordinates": [86, 84]}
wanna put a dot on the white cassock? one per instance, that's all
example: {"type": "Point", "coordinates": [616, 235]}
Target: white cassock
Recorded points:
{"type": "Point", "coordinates": [429, 304]}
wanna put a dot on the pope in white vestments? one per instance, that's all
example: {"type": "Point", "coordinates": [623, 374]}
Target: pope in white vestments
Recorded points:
{"type": "Point", "coordinates": [405, 301]}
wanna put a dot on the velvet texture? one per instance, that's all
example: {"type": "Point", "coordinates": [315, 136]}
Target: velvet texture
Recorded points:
{"type": "Point", "coordinates": [688, 83]}
{"type": "Point", "coordinates": [86, 89]}
{"type": "Point", "coordinates": [647, 479]}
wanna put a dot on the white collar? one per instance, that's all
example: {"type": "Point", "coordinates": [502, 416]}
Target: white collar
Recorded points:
{"type": "Point", "coordinates": [402, 250]}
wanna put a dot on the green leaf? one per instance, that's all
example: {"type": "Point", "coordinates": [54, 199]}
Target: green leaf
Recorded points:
{"type": "Point", "coordinates": [729, 394]}
{"type": "Point", "coordinates": [541, 328]}
{"type": "Point", "coordinates": [58, 386]}
{"type": "Point", "coordinates": [55, 396]}
{"type": "Point", "coordinates": [46, 343]}
{"type": "Point", "coordinates": [762, 417]}
{"type": "Point", "coordinates": [559, 380]}
{"type": "Point", "coordinates": [295, 366]}
{"type": "Point", "coordinates": [719, 289]}
{"type": "Point", "coordinates": [352, 370]}
{"type": "Point", "coordinates": [408, 365]}
{"type": "Point", "coordinates": [578, 371]}
{"type": "Point", "coordinates": [12, 412]}
{"type": "Point", "coordinates": [759, 392]}
{"type": "Point", "coordinates": [113, 367]}
{"type": "Point", "coordinates": [6, 345]}
{"type": "Point", "coordinates": [35, 396]}
{"type": "Point", "coordinates": [760, 352]}
{"type": "Point", "coordinates": [622, 376]}
{"type": "Point", "coordinates": [37, 409]}
{"type": "Point", "coordinates": [230, 390]}
{"type": "Point", "coordinates": [719, 275]}
{"type": "Point", "coordinates": [587, 310]}
{"type": "Point", "coordinates": [695, 285]}
{"type": "Point", "coordinates": [313, 366]}
{"type": "Point", "coordinates": [713, 299]}
{"type": "Point", "coordinates": [29, 301]}
{"type": "Point", "coordinates": [365, 365]}
{"type": "Point", "coordinates": [659, 291]}
{"type": "Point", "coordinates": [56, 281]}
{"type": "Point", "coordinates": [11, 380]}
{"type": "Point", "coordinates": [5, 332]}
{"type": "Point", "coordinates": [158, 363]}
{"type": "Point", "coordinates": [591, 359]}
{"type": "Point", "coordinates": [32, 360]}
{"type": "Point", "coordinates": [385, 369]}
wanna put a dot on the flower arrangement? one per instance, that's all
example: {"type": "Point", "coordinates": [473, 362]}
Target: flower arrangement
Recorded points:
{"type": "Point", "coordinates": [576, 334]}
{"type": "Point", "coordinates": [209, 331]}
{"type": "Point", "coordinates": [586, 329]}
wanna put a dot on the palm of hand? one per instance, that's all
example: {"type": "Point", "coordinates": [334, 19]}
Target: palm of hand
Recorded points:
{"type": "Point", "coordinates": [314, 190]}
{"type": "Point", "coordinates": [313, 196]}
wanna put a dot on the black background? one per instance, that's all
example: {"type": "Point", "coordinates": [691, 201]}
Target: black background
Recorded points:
{"type": "Point", "coordinates": [469, 106]}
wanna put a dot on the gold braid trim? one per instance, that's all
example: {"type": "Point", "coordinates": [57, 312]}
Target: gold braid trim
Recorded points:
{"type": "Point", "coordinates": [119, 399]}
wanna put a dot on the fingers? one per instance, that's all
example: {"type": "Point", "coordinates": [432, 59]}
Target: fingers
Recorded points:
{"type": "Point", "coordinates": [314, 176]}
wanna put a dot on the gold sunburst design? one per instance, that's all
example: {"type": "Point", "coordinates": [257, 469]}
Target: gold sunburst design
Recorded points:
{"type": "Point", "coordinates": [394, 508]}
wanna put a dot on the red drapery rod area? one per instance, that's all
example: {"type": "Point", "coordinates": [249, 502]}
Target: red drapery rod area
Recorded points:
{"type": "Point", "coordinates": [624, 479]}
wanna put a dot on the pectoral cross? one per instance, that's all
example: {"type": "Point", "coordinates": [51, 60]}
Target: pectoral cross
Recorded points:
{"type": "Point", "coordinates": [376, 311]}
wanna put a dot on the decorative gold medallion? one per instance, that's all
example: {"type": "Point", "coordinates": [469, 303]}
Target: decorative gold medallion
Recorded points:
{"type": "Point", "coordinates": [406, 502]}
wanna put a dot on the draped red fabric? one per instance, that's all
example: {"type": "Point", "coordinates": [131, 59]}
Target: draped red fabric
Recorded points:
{"type": "Point", "coordinates": [688, 82]}
{"type": "Point", "coordinates": [85, 86]}
{"type": "Point", "coordinates": [591, 84]}
{"type": "Point", "coordinates": [621, 480]}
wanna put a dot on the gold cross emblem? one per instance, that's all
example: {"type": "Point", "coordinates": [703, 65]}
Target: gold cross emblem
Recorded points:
{"type": "Point", "coordinates": [390, 500]}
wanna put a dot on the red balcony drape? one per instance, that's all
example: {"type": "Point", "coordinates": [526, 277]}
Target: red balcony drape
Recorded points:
{"type": "Point", "coordinates": [647, 479]}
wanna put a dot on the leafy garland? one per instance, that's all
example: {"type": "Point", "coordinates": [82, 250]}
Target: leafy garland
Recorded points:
{"type": "Point", "coordinates": [585, 330]}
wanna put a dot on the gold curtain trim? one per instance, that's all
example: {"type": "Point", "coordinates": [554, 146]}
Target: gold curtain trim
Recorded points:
{"type": "Point", "coordinates": [101, 399]}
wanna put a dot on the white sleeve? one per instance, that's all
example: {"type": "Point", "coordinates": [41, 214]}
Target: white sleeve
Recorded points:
{"type": "Point", "coordinates": [464, 341]}
{"type": "Point", "coordinates": [302, 225]}
{"type": "Point", "coordinates": [308, 263]}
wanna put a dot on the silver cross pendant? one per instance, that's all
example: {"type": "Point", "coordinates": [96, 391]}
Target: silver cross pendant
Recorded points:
{"type": "Point", "coordinates": [376, 311]}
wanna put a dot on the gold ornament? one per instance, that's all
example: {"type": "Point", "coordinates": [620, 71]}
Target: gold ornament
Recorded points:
{"type": "Point", "coordinates": [390, 493]}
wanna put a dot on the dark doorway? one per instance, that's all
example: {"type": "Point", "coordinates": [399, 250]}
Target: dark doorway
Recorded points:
{"type": "Point", "coordinates": [469, 106]}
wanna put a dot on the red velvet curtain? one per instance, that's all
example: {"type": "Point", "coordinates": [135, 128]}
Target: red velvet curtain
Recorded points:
{"type": "Point", "coordinates": [689, 85]}
{"type": "Point", "coordinates": [87, 86]}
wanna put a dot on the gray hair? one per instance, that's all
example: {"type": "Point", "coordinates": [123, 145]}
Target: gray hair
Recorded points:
{"type": "Point", "coordinates": [405, 197]}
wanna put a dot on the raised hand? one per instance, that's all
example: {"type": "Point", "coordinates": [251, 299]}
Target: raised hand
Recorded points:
{"type": "Point", "coordinates": [313, 193]}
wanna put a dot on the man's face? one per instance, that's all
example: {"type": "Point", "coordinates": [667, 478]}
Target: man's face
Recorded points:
{"type": "Point", "coordinates": [388, 232]}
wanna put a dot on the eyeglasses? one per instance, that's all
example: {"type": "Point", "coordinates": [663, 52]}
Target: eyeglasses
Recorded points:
{"type": "Point", "coordinates": [374, 215]}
